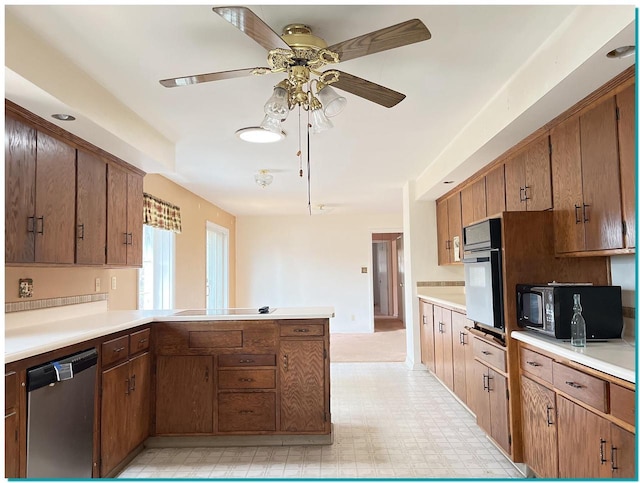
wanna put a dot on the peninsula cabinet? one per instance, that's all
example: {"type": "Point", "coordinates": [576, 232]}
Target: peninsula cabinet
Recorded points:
{"type": "Point", "coordinates": [427, 335]}
{"type": "Point", "coordinates": [449, 230]}
{"type": "Point", "coordinates": [40, 173]}
{"type": "Point", "coordinates": [528, 178]}
{"type": "Point", "coordinates": [626, 105]}
{"type": "Point", "coordinates": [91, 209]}
{"type": "Point", "coordinates": [124, 219]}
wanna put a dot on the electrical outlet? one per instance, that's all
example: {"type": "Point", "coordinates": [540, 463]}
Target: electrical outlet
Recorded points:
{"type": "Point", "coordinates": [113, 283]}
{"type": "Point", "coordinates": [97, 284]}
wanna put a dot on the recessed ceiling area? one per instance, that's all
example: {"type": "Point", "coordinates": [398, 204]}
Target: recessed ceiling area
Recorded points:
{"type": "Point", "coordinates": [489, 75]}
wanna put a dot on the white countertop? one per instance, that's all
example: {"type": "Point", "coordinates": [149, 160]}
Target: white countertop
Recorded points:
{"type": "Point", "coordinates": [452, 297]}
{"type": "Point", "coordinates": [616, 357]}
{"type": "Point", "coordinates": [33, 336]}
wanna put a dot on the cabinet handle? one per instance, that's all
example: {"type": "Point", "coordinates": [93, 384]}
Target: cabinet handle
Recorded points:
{"type": "Point", "coordinates": [245, 411]}
{"type": "Point", "coordinates": [126, 238]}
{"type": "Point", "coordinates": [245, 379]}
{"type": "Point", "coordinates": [533, 363]}
{"type": "Point", "coordinates": [521, 190]}
{"type": "Point", "coordinates": [41, 230]}
{"type": "Point", "coordinates": [118, 349]}
{"type": "Point", "coordinates": [128, 387]}
{"type": "Point", "coordinates": [584, 213]}
{"type": "Point", "coordinates": [485, 382]}
{"type": "Point", "coordinates": [424, 319]}
{"type": "Point", "coordinates": [301, 330]}
{"type": "Point", "coordinates": [462, 342]}
{"type": "Point", "coordinates": [245, 361]}
{"type": "Point", "coordinates": [31, 221]}
{"type": "Point", "coordinates": [447, 245]}
{"type": "Point", "coordinates": [206, 374]}
{"type": "Point", "coordinates": [549, 421]}
{"type": "Point", "coordinates": [142, 341]}
{"type": "Point", "coordinates": [285, 362]}
{"type": "Point", "coordinates": [133, 382]}
{"type": "Point", "coordinates": [486, 353]}
{"type": "Point", "coordinates": [577, 208]}
{"type": "Point", "coordinates": [489, 383]}
{"type": "Point", "coordinates": [573, 384]}
{"type": "Point", "coordinates": [129, 238]}
{"type": "Point", "coordinates": [81, 231]}
{"type": "Point", "coordinates": [526, 194]}
{"type": "Point", "coordinates": [441, 327]}
{"type": "Point", "coordinates": [614, 450]}
{"type": "Point", "coordinates": [603, 460]}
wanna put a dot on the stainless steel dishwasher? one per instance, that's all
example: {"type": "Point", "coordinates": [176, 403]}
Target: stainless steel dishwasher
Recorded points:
{"type": "Point", "coordinates": [60, 402]}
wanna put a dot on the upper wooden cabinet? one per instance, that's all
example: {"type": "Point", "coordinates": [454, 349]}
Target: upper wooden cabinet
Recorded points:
{"type": "Point", "coordinates": [495, 191]}
{"type": "Point", "coordinates": [124, 217]}
{"type": "Point", "coordinates": [528, 178]}
{"type": "Point", "coordinates": [586, 174]}
{"type": "Point", "coordinates": [474, 202]}
{"type": "Point", "coordinates": [91, 210]}
{"type": "Point", "coordinates": [626, 103]}
{"type": "Point", "coordinates": [449, 230]}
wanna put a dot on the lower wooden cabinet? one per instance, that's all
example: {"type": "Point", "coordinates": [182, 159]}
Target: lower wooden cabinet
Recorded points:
{"type": "Point", "coordinates": [462, 354]}
{"type": "Point", "coordinates": [427, 336]}
{"type": "Point", "coordinates": [247, 412]}
{"type": "Point", "coordinates": [623, 454]}
{"type": "Point", "coordinates": [491, 404]}
{"type": "Point", "coordinates": [443, 345]}
{"type": "Point", "coordinates": [11, 426]}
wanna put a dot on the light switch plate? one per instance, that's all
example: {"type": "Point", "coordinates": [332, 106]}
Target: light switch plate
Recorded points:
{"type": "Point", "coordinates": [113, 283]}
{"type": "Point", "coordinates": [363, 270]}
{"type": "Point", "coordinates": [97, 284]}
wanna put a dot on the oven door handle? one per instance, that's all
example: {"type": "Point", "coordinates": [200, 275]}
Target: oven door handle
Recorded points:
{"type": "Point", "coordinates": [476, 260]}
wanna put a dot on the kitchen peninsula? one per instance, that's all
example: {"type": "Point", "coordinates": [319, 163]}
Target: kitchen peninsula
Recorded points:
{"type": "Point", "coordinates": [192, 375]}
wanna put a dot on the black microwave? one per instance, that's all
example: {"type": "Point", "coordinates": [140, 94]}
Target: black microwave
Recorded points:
{"type": "Point", "coordinates": [549, 309]}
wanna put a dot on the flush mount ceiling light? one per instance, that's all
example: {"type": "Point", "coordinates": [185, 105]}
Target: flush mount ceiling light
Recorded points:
{"type": "Point", "coordinates": [263, 178]}
{"type": "Point", "coordinates": [257, 134]}
{"type": "Point", "coordinates": [622, 52]}
{"type": "Point", "coordinates": [63, 117]}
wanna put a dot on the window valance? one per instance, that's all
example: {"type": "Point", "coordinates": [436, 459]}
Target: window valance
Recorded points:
{"type": "Point", "coordinates": [161, 214]}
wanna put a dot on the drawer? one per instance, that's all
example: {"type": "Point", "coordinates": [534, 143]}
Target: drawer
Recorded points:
{"type": "Point", "coordinates": [623, 403]}
{"type": "Point", "coordinates": [115, 350]}
{"type": "Point", "coordinates": [10, 391]}
{"type": "Point", "coordinates": [220, 339]}
{"type": "Point", "coordinates": [246, 360]}
{"type": "Point", "coordinates": [491, 354]}
{"type": "Point", "coordinates": [247, 412]}
{"type": "Point", "coordinates": [585, 388]}
{"type": "Point", "coordinates": [536, 364]}
{"type": "Point", "coordinates": [247, 379]}
{"type": "Point", "coordinates": [139, 341]}
{"type": "Point", "coordinates": [301, 330]}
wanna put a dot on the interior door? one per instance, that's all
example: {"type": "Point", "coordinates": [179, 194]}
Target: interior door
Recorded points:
{"type": "Point", "coordinates": [400, 257]}
{"type": "Point", "coordinates": [382, 277]}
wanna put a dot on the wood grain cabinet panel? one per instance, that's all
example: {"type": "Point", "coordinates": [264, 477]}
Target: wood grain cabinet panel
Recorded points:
{"type": "Point", "coordinates": [124, 217]}
{"type": "Point", "coordinates": [626, 104]}
{"type": "Point", "coordinates": [515, 179]}
{"type": "Point", "coordinates": [499, 403]}
{"type": "Point", "coordinates": [139, 399]}
{"type": "Point", "coordinates": [533, 363]}
{"type": "Point", "coordinates": [466, 200]}
{"type": "Point", "coordinates": [91, 210]}
{"type": "Point", "coordinates": [442, 228]}
{"type": "Point", "coordinates": [495, 191]}
{"type": "Point", "coordinates": [528, 178]}
{"type": "Point", "coordinates": [478, 400]}
{"type": "Point", "coordinates": [454, 212]}
{"type": "Point", "coordinates": [135, 204]}
{"type": "Point", "coordinates": [539, 431]}
{"type": "Point", "coordinates": [242, 412]}
{"type": "Point", "coordinates": [427, 336]}
{"type": "Point", "coordinates": [623, 403]}
{"type": "Point", "coordinates": [12, 440]}
{"type": "Point", "coordinates": [460, 346]}
{"type": "Point", "coordinates": [623, 454]}
{"type": "Point", "coordinates": [247, 379]}
{"type": "Point", "coordinates": [584, 387]}
{"type": "Point", "coordinates": [443, 345]}
{"type": "Point", "coordinates": [473, 202]}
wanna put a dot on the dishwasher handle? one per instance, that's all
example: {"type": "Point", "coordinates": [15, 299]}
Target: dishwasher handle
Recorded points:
{"type": "Point", "coordinates": [46, 374]}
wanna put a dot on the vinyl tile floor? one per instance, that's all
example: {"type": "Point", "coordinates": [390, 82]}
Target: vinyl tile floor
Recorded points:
{"type": "Point", "coordinates": [389, 422]}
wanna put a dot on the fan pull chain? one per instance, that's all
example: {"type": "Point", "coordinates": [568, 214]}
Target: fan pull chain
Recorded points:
{"type": "Point", "coordinates": [308, 165]}
{"type": "Point", "coordinates": [299, 142]}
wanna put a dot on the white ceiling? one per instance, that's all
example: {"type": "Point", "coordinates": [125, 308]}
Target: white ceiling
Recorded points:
{"type": "Point", "coordinates": [359, 166]}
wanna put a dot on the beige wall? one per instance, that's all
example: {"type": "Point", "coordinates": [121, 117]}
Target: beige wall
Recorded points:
{"type": "Point", "coordinates": [191, 243]}
{"type": "Point", "coordinates": [49, 282]}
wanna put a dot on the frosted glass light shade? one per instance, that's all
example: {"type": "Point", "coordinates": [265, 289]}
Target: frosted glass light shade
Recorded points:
{"type": "Point", "coordinates": [271, 124]}
{"type": "Point", "coordinates": [319, 121]}
{"type": "Point", "coordinates": [332, 102]}
{"type": "Point", "coordinates": [278, 105]}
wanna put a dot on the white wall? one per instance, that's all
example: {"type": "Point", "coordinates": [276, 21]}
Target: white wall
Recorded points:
{"type": "Point", "coordinates": [295, 261]}
{"type": "Point", "coordinates": [623, 273]}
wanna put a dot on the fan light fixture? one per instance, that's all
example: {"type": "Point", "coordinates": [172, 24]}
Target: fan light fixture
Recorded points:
{"type": "Point", "coordinates": [263, 178]}
{"type": "Point", "coordinates": [258, 134]}
{"type": "Point", "coordinates": [622, 52]}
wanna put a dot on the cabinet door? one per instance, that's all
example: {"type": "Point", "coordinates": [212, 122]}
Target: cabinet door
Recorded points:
{"type": "Point", "coordinates": [447, 348]}
{"type": "Point", "coordinates": [460, 341]}
{"type": "Point", "coordinates": [427, 343]}
{"type": "Point", "coordinates": [515, 180]}
{"type": "Point", "coordinates": [601, 177]}
{"type": "Point", "coordinates": [582, 442]}
{"type": "Point", "coordinates": [134, 219]}
{"type": "Point", "coordinates": [567, 187]}
{"type": "Point", "coordinates": [538, 176]}
{"type": "Point", "coordinates": [19, 191]}
{"type": "Point", "coordinates": [499, 404]}
{"type": "Point", "coordinates": [626, 101]}
{"type": "Point", "coordinates": [114, 438]}
{"type": "Point", "coordinates": [138, 422]}
{"type": "Point", "coordinates": [479, 400]}
{"type": "Point", "coordinates": [454, 212]}
{"type": "Point", "coordinates": [91, 210]}
{"type": "Point", "coordinates": [11, 446]}
{"type": "Point", "coordinates": [442, 223]}
{"type": "Point", "coordinates": [622, 458]}
{"type": "Point", "coordinates": [55, 200]}
{"type": "Point", "coordinates": [302, 385]}
{"type": "Point", "coordinates": [116, 216]}
{"type": "Point", "coordinates": [438, 349]}
{"type": "Point", "coordinates": [495, 191]}
{"type": "Point", "coordinates": [184, 394]}
{"type": "Point", "coordinates": [466, 200]}
{"type": "Point", "coordinates": [479, 200]}
{"type": "Point", "coordinates": [539, 433]}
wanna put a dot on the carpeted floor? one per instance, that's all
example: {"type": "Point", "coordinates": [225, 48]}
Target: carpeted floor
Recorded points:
{"type": "Point", "coordinates": [386, 344]}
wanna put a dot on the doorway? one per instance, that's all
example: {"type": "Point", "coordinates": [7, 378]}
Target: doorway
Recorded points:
{"type": "Point", "coordinates": [388, 281]}
{"type": "Point", "coordinates": [217, 282]}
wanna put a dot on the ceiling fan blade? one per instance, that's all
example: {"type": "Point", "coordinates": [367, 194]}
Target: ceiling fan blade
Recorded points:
{"type": "Point", "coordinates": [368, 90]}
{"type": "Point", "coordinates": [252, 25]}
{"type": "Point", "coordinates": [213, 76]}
{"type": "Point", "coordinates": [404, 33]}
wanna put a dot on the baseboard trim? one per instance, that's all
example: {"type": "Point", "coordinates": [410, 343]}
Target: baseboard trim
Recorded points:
{"type": "Point", "coordinates": [253, 440]}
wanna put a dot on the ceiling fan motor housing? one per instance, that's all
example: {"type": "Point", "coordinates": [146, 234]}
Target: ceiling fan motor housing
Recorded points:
{"type": "Point", "coordinates": [299, 36]}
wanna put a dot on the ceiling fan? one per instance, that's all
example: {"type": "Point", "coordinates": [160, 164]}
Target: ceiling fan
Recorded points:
{"type": "Point", "coordinates": [300, 54]}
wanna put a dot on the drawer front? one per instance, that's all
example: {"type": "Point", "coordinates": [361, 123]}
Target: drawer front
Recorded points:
{"type": "Point", "coordinates": [623, 403]}
{"type": "Point", "coordinates": [139, 341]}
{"type": "Point", "coordinates": [247, 412]}
{"type": "Point", "coordinates": [586, 388]}
{"type": "Point", "coordinates": [247, 379]}
{"type": "Point", "coordinates": [246, 360]}
{"type": "Point", "coordinates": [301, 330]}
{"type": "Point", "coordinates": [220, 339]}
{"type": "Point", "coordinates": [115, 350]}
{"type": "Point", "coordinates": [10, 391]}
{"type": "Point", "coordinates": [492, 355]}
{"type": "Point", "coordinates": [536, 364]}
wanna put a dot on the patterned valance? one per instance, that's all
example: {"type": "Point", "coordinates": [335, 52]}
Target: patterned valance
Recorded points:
{"type": "Point", "coordinates": [160, 214]}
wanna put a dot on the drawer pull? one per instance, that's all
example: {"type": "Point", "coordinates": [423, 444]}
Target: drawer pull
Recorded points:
{"type": "Point", "coordinates": [549, 421]}
{"type": "Point", "coordinates": [462, 342]}
{"type": "Point", "coordinates": [126, 391]}
{"type": "Point", "coordinates": [285, 362]}
{"type": "Point", "coordinates": [141, 341]}
{"type": "Point", "coordinates": [603, 460]}
{"type": "Point", "coordinates": [41, 230]}
{"type": "Point", "coordinates": [133, 382]}
{"type": "Point", "coordinates": [301, 330]}
{"type": "Point", "coordinates": [245, 411]}
{"type": "Point", "coordinates": [245, 379]}
{"type": "Point", "coordinates": [118, 349]}
{"type": "Point", "coordinates": [245, 361]}
{"type": "Point", "coordinates": [613, 458]}
{"type": "Point", "coordinates": [485, 382]}
{"type": "Point", "coordinates": [486, 353]}
{"type": "Point", "coordinates": [534, 363]}
{"type": "Point", "coordinates": [573, 384]}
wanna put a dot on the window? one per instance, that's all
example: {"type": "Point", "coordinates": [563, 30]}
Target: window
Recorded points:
{"type": "Point", "coordinates": [217, 267]}
{"type": "Point", "coordinates": [156, 278]}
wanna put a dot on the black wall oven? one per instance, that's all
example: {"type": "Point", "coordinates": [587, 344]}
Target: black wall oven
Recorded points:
{"type": "Point", "coordinates": [482, 260]}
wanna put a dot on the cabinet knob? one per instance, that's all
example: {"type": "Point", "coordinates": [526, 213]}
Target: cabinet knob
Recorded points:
{"type": "Point", "coordinates": [486, 353]}
{"type": "Point", "coordinates": [533, 363]}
